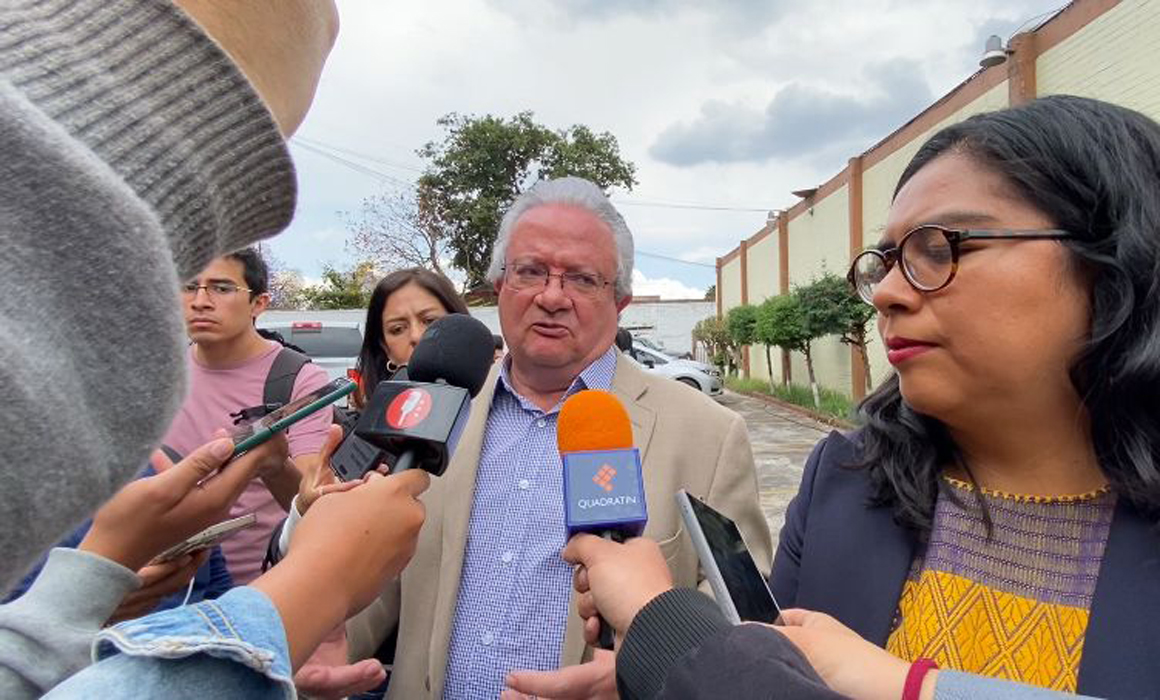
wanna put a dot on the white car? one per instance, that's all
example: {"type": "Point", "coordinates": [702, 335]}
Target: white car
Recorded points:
{"type": "Point", "coordinates": [333, 346]}
{"type": "Point", "coordinates": [698, 375]}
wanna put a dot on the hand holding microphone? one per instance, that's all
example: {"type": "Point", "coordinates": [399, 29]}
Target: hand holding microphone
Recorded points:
{"type": "Point", "coordinates": [615, 581]}
{"type": "Point", "coordinates": [603, 486]}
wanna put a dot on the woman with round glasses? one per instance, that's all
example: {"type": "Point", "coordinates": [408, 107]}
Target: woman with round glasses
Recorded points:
{"type": "Point", "coordinates": [998, 512]}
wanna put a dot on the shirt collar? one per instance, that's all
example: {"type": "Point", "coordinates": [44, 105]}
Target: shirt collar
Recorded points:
{"type": "Point", "coordinates": [597, 375]}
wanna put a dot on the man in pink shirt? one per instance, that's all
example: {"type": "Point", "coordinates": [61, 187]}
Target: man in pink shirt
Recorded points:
{"type": "Point", "coordinates": [228, 365]}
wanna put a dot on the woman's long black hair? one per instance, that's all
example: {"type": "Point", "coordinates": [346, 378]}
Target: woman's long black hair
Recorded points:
{"type": "Point", "coordinates": [1093, 168]}
{"type": "Point", "coordinates": [372, 358]}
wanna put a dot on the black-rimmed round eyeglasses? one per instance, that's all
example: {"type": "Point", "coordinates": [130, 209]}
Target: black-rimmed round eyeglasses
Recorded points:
{"type": "Point", "coordinates": [929, 255]}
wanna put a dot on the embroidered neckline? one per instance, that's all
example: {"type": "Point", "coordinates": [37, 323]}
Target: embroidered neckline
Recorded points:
{"type": "Point", "coordinates": [1028, 498]}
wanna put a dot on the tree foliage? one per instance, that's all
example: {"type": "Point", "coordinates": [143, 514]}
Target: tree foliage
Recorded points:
{"type": "Point", "coordinates": [838, 310]}
{"type": "Point", "coordinates": [395, 230]}
{"type": "Point", "coordinates": [713, 333]}
{"type": "Point", "coordinates": [741, 321]}
{"type": "Point", "coordinates": [342, 289]}
{"type": "Point", "coordinates": [711, 293]}
{"type": "Point", "coordinates": [483, 163]}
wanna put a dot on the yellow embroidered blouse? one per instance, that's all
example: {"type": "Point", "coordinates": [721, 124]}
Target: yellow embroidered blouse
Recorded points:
{"type": "Point", "coordinates": [1012, 606]}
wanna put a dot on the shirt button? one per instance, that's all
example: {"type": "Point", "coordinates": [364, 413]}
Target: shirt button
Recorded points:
{"type": "Point", "coordinates": [524, 484]}
{"type": "Point", "coordinates": [487, 639]}
{"type": "Point", "coordinates": [541, 423]}
{"type": "Point", "coordinates": [507, 557]}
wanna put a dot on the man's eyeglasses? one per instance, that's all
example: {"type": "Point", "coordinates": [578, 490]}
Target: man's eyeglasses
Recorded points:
{"type": "Point", "coordinates": [528, 275]}
{"type": "Point", "coordinates": [215, 290]}
{"type": "Point", "coordinates": [929, 255]}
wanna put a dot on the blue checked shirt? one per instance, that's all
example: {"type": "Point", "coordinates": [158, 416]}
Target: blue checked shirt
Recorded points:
{"type": "Point", "coordinates": [515, 588]}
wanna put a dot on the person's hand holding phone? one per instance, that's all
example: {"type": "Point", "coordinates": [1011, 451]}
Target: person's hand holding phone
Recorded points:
{"type": "Point", "coordinates": [150, 515]}
{"type": "Point", "coordinates": [615, 581]}
{"type": "Point", "coordinates": [318, 479]}
{"type": "Point", "coordinates": [341, 553]}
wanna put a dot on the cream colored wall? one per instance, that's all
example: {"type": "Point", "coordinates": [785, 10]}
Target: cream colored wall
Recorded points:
{"type": "Point", "coordinates": [731, 284]}
{"type": "Point", "coordinates": [819, 240]}
{"type": "Point", "coordinates": [1116, 57]}
{"type": "Point", "coordinates": [878, 185]}
{"type": "Point", "coordinates": [763, 283]}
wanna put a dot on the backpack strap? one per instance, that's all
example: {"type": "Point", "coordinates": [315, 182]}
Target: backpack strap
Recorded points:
{"type": "Point", "coordinates": [280, 380]}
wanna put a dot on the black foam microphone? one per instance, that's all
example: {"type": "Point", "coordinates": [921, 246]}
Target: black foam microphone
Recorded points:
{"type": "Point", "coordinates": [420, 420]}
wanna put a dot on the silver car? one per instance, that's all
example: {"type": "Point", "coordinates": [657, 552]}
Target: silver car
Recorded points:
{"type": "Point", "coordinates": [698, 375]}
{"type": "Point", "coordinates": [333, 346]}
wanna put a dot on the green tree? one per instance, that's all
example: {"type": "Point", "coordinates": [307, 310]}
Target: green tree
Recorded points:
{"type": "Point", "coordinates": [714, 334]}
{"type": "Point", "coordinates": [711, 293]}
{"type": "Point", "coordinates": [846, 315]}
{"type": "Point", "coordinates": [483, 163]}
{"type": "Point", "coordinates": [740, 320]}
{"type": "Point", "coordinates": [342, 289]}
{"type": "Point", "coordinates": [821, 315]}
{"type": "Point", "coordinates": [780, 324]}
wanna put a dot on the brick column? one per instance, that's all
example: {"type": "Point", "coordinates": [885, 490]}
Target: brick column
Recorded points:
{"type": "Point", "coordinates": [854, 179]}
{"type": "Point", "coordinates": [744, 254]}
{"type": "Point", "coordinates": [1022, 54]}
{"type": "Point", "coordinates": [783, 283]}
{"type": "Point", "coordinates": [719, 294]}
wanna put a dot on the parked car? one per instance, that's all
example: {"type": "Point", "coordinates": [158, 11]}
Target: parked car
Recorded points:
{"type": "Point", "coordinates": [698, 375]}
{"type": "Point", "coordinates": [333, 346]}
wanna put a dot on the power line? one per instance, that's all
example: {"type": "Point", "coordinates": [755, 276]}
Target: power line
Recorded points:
{"type": "Point", "coordinates": [319, 144]}
{"type": "Point", "coordinates": [689, 205]}
{"type": "Point", "coordinates": [359, 168]}
{"type": "Point", "coordinates": [316, 146]}
{"type": "Point", "coordinates": [672, 259]}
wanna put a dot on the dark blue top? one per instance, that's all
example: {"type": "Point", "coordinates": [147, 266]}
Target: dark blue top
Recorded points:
{"type": "Point", "coordinates": [210, 581]}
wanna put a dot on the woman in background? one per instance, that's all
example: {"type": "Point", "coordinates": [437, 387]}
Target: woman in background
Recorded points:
{"type": "Point", "coordinates": [402, 305]}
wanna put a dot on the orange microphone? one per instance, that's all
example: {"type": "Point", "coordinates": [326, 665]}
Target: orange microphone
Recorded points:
{"type": "Point", "coordinates": [603, 486]}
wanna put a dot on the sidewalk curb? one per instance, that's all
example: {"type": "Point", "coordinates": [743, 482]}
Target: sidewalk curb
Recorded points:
{"type": "Point", "coordinates": [802, 410]}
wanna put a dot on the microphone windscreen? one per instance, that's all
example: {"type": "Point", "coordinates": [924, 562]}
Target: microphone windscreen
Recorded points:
{"type": "Point", "coordinates": [593, 420]}
{"type": "Point", "coordinates": [456, 349]}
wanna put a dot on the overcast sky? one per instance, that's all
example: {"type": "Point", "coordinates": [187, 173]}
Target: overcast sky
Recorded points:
{"type": "Point", "coordinates": [725, 104]}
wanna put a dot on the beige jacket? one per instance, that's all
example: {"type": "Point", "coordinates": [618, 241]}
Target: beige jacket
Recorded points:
{"type": "Point", "coordinates": [686, 441]}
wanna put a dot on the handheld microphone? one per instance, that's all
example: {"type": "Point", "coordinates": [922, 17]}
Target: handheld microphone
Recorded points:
{"type": "Point", "coordinates": [603, 485]}
{"type": "Point", "coordinates": [420, 420]}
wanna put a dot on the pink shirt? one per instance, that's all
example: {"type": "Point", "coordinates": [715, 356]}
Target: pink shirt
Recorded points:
{"type": "Point", "coordinates": [216, 393]}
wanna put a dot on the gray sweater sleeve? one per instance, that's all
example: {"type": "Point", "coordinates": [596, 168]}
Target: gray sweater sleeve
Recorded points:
{"type": "Point", "coordinates": [134, 151]}
{"type": "Point", "coordinates": [46, 634]}
{"type": "Point", "coordinates": [953, 685]}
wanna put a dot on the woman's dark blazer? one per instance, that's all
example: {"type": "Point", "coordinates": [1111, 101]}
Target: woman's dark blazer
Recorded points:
{"type": "Point", "coordinates": [841, 556]}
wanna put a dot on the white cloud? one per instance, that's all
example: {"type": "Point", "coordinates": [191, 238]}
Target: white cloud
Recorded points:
{"type": "Point", "coordinates": [664, 287]}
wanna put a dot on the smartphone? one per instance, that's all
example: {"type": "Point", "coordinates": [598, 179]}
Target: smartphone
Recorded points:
{"type": "Point", "coordinates": [207, 538]}
{"type": "Point", "coordinates": [250, 435]}
{"type": "Point", "coordinates": [741, 591]}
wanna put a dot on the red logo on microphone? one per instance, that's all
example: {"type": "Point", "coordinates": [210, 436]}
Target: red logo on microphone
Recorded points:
{"type": "Point", "coordinates": [409, 409]}
{"type": "Point", "coordinates": [604, 477]}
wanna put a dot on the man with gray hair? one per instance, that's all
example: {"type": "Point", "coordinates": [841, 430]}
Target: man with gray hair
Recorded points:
{"type": "Point", "coordinates": [485, 607]}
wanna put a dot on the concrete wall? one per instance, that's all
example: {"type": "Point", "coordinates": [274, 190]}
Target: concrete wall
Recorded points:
{"type": "Point", "coordinates": [1116, 57]}
{"type": "Point", "coordinates": [763, 283]}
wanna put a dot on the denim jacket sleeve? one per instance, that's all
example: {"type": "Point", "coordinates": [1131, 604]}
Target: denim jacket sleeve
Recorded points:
{"type": "Point", "coordinates": [232, 647]}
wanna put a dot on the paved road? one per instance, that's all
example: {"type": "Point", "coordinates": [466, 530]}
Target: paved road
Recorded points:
{"type": "Point", "coordinates": [782, 440]}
